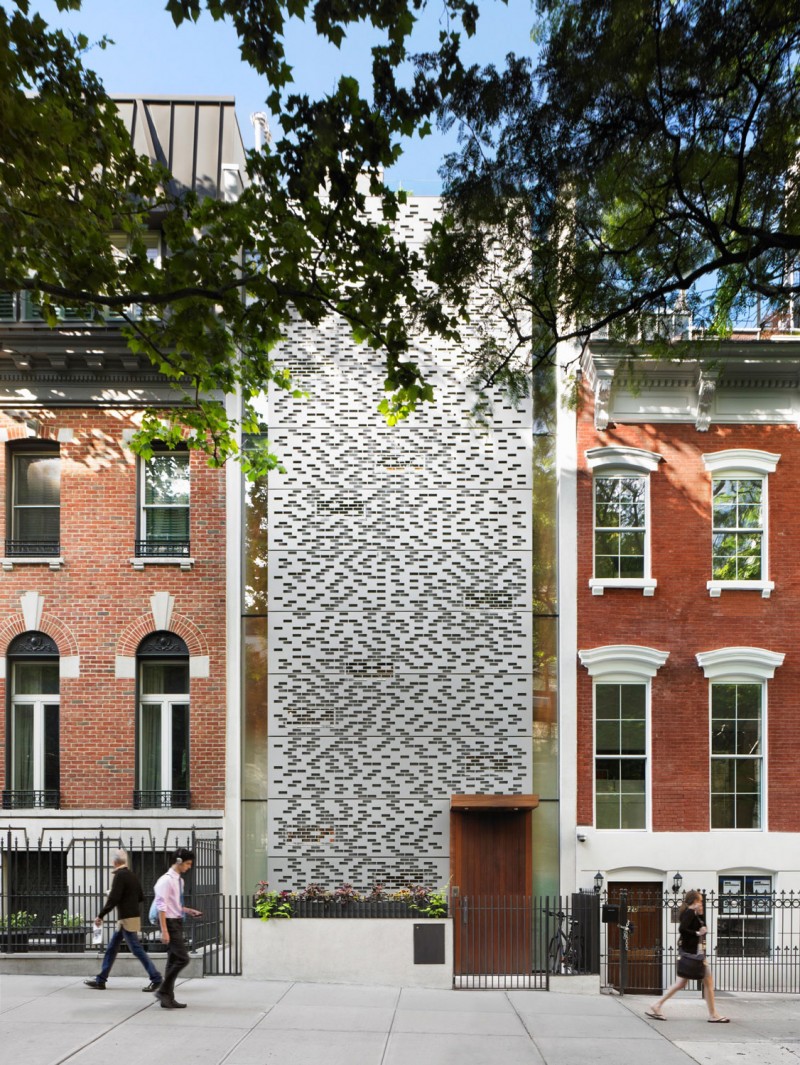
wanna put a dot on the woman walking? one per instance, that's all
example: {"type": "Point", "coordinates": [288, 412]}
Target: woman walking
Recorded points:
{"type": "Point", "coordinates": [692, 929]}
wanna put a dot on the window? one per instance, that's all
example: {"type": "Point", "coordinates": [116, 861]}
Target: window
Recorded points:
{"type": "Point", "coordinates": [620, 766]}
{"type": "Point", "coordinates": [738, 677]}
{"type": "Point", "coordinates": [164, 519]}
{"type": "Point", "coordinates": [621, 488]}
{"type": "Point", "coordinates": [622, 674]}
{"type": "Point", "coordinates": [744, 924]}
{"type": "Point", "coordinates": [736, 755]}
{"type": "Point", "coordinates": [35, 501]}
{"type": "Point", "coordinates": [163, 722]}
{"type": "Point", "coordinates": [33, 763]}
{"type": "Point", "coordinates": [151, 245]}
{"type": "Point", "coordinates": [739, 542]}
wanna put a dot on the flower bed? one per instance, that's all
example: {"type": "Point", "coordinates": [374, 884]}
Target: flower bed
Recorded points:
{"type": "Point", "coordinates": [314, 901]}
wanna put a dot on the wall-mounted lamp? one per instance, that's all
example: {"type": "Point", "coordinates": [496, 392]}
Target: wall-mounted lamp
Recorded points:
{"type": "Point", "coordinates": [598, 882]}
{"type": "Point", "coordinates": [677, 880]}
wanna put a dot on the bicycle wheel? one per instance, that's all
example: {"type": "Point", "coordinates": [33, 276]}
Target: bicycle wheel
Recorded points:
{"type": "Point", "coordinates": [555, 953]}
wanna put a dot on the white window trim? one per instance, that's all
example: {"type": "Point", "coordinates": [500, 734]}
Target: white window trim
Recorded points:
{"type": "Point", "coordinates": [185, 562]}
{"type": "Point", "coordinates": [742, 665]}
{"type": "Point", "coordinates": [607, 461]}
{"type": "Point", "coordinates": [39, 702]}
{"type": "Point", "coordinates": [167, 704]}
{"type": "Point", "coordinates": [745, 462]}
{"type": "Point", "coordinates": [624, 664]}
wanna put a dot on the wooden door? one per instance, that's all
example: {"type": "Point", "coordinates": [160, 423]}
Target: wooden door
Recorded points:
{"type": "Point", "coordinates": [491, 879]}
{"type": "Point", "coordinates": [645, 943]}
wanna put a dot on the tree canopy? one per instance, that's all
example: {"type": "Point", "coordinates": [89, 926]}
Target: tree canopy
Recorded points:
{"type": "Point", "coordinates": [646, 161]}
{"type": "Point", "coordinates": [639, 154]}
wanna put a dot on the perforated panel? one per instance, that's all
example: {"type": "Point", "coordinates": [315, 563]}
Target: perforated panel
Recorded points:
{"type": "Point", "coordinates": [400, 646]}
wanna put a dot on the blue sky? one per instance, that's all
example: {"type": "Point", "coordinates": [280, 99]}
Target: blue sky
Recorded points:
{"type": "Point", "coordinates": [151, 56]}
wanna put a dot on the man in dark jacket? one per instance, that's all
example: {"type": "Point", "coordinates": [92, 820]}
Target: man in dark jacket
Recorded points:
{"type": "Point", "coordinates": [127, 895]}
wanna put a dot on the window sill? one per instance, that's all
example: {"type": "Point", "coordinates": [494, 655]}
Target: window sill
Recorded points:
{"type": "Point", "coordinates": [53, 561]}
{"type": "Point", "coordinates": [165, 560]}
{"type": "Point", "coordinates": [716, 587]}
{"type": "Point", "coordinates": [647, 585]}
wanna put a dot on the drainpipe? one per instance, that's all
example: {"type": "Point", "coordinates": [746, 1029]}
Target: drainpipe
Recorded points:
{"type": "Point", "coordinates": [261, 129]}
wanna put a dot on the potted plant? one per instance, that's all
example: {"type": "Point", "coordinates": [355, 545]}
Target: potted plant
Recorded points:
{"type": "Point", "coordinates": [269, 904]}
{"type": "Point", "coordinates": [14, 930]}
{"type": "Point", "coordinates": [345, 898]}
{"type": "Point", "coordinates": [69, 932]}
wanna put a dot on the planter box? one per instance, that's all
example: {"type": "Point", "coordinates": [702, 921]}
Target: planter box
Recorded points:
{"type": "Point", "coordinates": [14, 942]}
{"type": "Point", "coordinates": [71, 942]}
{"type": "Point", "coordinates": [318, 909]}
{"type": "Point", "coordinates": [378, 951]}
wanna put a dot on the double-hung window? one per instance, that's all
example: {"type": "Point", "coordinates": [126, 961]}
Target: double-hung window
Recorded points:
{"type": "Point", "coordinates": [622, 677]}
{"type": "Point", "coordinates": [739, 540]}
{"type": "Point", "coordinates": [737, 733]}
{"type": "Point", "coordinates": [165, 505]}
{"type": "Point", "coordinates": [34, 501]}
{"type": "Point", "coordinates": [34, 758]}
{"type": "Point", "coordinates": [621, 518]}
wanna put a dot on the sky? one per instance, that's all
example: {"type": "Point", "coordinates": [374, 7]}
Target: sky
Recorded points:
{"type": "Point", "coordinates": [151, 56]}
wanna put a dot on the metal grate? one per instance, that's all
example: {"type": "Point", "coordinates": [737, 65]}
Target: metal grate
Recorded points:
{"type": "Point", "coordinates": [161, 547]}
{"type": "Point", "coordinates": [161, 800]}
{"type": "Point", "coordinates": [32, 548]}
{"type": "Point", "coordinates": [48, 799]}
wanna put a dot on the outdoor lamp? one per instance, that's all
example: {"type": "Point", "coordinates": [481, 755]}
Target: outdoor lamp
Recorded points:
{"type": "Point", "coordinates": [598, 881]}
{"type": "Point", "coordinates": [677, 880]}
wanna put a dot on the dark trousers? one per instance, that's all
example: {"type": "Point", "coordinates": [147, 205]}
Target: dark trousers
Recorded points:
{"type": "Point", "coordinates": [177, 956]}
{"type": "Point", "coordinates": [136, 949]}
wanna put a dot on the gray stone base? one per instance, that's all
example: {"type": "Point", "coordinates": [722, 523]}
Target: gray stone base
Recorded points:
{"type": "Point", "coordinates": [49, 963]}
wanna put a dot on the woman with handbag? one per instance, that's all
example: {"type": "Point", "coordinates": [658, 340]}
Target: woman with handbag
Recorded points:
{"type": "Point", "coordinates": [692, 964]}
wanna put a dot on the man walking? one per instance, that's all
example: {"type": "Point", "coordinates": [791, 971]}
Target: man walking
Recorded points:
{"type": "Point", "coordinates": [127, 895]}
{"type": "Point", "coordinates": [171, 911]}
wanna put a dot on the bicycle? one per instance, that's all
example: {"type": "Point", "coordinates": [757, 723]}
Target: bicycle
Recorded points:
{"type": "Point", "coordinates": [563, 950]}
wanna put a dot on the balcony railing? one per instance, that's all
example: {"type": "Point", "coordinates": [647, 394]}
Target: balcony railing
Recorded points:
{"type": "Point", "coordinates": [23, 307]}
{"type": "Point", "coordinates": [155, 547]}
{"type": "Point", "coordinates": [161, 800]}
{"type": "Point", "coordinates": [46, 799]}
{"type": "Point", "coordinates": [33, 548]}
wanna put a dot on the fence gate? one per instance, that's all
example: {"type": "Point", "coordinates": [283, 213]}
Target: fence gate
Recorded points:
{"type": "Point", "coordinates": [499, 941]}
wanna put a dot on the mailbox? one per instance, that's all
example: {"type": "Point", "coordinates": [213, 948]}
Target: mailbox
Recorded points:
{"type": "Point", "coordinates": [610, 914]}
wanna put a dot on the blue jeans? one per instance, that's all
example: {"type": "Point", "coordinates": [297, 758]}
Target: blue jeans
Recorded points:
{"type": "Point", "coordinates": [135, 947]}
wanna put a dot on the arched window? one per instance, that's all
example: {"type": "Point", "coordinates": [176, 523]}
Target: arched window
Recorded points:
{"type": "Point", "coordinates": [162, 661]}
{"type": "Point", "coordinates": [33, 749]}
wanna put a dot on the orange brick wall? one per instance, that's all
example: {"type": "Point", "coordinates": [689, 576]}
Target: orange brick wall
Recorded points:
{"type": "Point", "coordinates": [97, 606]}
{"type": "Point", "coordinates": [683, 619]}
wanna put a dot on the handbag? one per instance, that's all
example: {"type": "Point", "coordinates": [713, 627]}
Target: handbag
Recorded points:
{"type": "Point", "coordinates": [692, 966]}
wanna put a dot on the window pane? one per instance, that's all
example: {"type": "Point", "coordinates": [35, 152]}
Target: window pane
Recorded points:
{"type": "Point", "coordinates": [606, 566]}
{"type": "Point", "coordinates": [180, 747]}
{"type": "Point", "coordinates": [634, 701]}
{"type": "Point", "coordinates": [722, 813]}
{"type": "Point", "coordinates": [607, 811]}
{"type": "Point", "coordinates": [34, 523]}
{"type": "Point", "coordinates": [723, 737]}
{"type": "Point", "coordinates": [150, 743]}
{"type": "Point", "coordinates": [748, 811]}
{"type": "Point", "coordinates": [607, 700]}
{"type": "Point", "coordinates": [22, 755]}
{"type": "Point", "coordinates": [748, 737]}
{"type": "Point", "coordinates": [167, 523]}
{"type": "Point", "coordinates": [633, 813]}
{"type": "Point", "coordinates": [37, 480]}
{"type": "Point", "coordinates": [608, 740]}
{"type": "Point", "coordinates": [165, 678]}
{"type": "Point", "coordinates": [723, 775]}
{"type": "Point", "coordinates": [633, 737]}
{"type": "Point", "coordinates": [36, 678]}
{"type": "Point", "coordinates": [166, 479]}
{"type": "Point", "coordinates": [52, 759]}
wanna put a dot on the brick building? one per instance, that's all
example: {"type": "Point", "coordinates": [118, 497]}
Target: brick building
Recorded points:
{"type": "Point", "coordinates": [678, 528]}
{"type": "Point", "coordinates": [116, 583]}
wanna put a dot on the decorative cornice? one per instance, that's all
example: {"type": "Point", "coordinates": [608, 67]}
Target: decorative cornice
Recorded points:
{"type": "Point", "coordinates": [754, 663]}
{"type": "Point", "coordinates": [629, 458]}
{"type": "Point", "coordinates": [706, 388]}
{"type": "Point", "coordinates": [740, 458]}
{"type": "Point", "coordinates": [630, 660]}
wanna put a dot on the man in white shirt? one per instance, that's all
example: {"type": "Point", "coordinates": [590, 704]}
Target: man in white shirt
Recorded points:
{"type": "Point", "coordinates": [171, 911]}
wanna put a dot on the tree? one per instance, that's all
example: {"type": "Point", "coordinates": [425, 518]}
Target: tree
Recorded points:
{"type": "Point", "coordinates": [298, 241]}
{"type": "Point", "coordinates": [647, 159]}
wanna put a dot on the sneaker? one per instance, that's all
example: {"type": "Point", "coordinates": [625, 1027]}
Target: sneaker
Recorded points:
{"type": "Point", "coordinates": [95, 985]}
{"type": "Point", "coordinates": [154, 985]}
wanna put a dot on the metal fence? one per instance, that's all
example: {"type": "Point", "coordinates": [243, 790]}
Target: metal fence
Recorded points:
{"type": "Point", "coordinates": [51, 893]}
{"type": "Point", "coordinates": [753, 941]}
{"type": "Point", "coordinates": [519, 941]}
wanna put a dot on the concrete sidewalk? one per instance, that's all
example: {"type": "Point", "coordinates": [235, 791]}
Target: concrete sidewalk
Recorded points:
{"type": "Point", "coordinates": [47, 1020]}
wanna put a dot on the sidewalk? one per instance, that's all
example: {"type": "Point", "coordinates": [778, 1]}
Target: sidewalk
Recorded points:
{"type": "Point", "coordinates": [47, 1020]}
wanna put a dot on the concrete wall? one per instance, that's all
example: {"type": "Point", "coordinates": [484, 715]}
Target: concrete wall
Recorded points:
{"type": "Point", "coordinates": [375, 951]}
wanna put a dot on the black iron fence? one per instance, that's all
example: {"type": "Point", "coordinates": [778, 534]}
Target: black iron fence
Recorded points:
{"type": "Point", "coordinates": [753, 941]}
{"type": "Point", "coordinates": [51, 893]}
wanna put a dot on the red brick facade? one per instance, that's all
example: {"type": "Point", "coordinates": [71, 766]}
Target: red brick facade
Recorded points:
{"type": "Point", "coordinates": [683, 619]}
{"type": "Point", "coordinates": [98, 607]}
